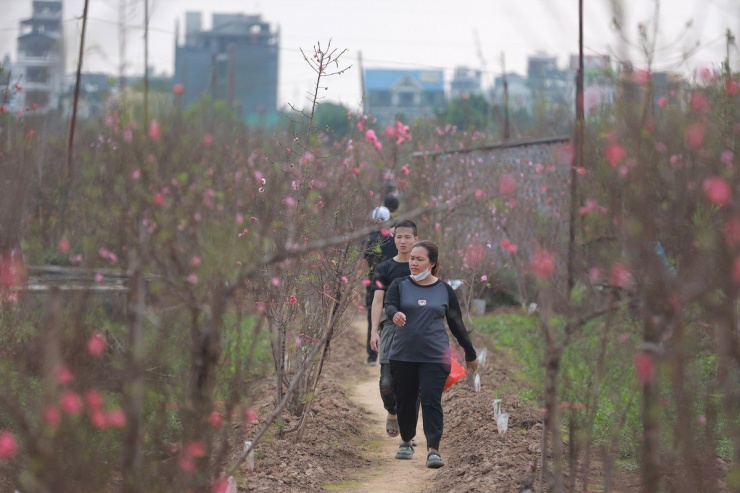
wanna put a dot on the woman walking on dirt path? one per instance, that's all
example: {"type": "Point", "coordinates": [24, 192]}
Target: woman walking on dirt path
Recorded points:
{"type": "Point", "coordinates": [420, 353]}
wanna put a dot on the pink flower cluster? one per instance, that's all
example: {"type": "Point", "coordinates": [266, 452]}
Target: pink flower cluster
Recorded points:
{"type": "Point", "coordinates": [108, 255]}
{"type": "Point", "coordinates": [373, 139]}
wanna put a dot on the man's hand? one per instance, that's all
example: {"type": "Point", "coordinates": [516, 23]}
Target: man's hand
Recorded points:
{"type": "Point", "coordinates": [399, 319]}
{"type": "Point", "coordinates": [374, 340]}
{"type": "Point", "coordinates": [472, 365]}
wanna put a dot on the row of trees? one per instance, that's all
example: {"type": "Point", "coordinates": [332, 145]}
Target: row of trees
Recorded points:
{"type": "Point", "coordinates": [233, 240]}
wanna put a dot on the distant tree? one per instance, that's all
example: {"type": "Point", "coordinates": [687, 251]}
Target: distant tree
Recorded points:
{"type": "Point", "coordinates": [333, 120]}
{"type": "Point", "coordinates": [466, 113]}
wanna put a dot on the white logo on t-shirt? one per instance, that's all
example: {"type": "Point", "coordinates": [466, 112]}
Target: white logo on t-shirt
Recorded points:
{"type": "Point", "coordinates": [422, 302]}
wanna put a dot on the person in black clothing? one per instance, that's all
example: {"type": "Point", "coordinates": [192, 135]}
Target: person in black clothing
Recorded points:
{"type": "Point", "coordinates": [420, 353]}
{"type": "Point", "coordinates": [379, 246]}
{"type": "Point", "coordinates": [405, 237]}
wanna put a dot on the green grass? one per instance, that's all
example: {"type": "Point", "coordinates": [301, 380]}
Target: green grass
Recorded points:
{"type": "Point", "coordinates": [520, 336]}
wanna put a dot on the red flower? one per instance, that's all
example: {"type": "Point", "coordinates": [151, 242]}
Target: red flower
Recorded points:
{"type": "Point", "coordinates": [94, 399]}
{"type": "Point", "coordinates": [614, 153]}
{"type": "Point", "coordinates": [695, 136]}
{"type": "Point", "coordinates": [51, 416]}
{"type": "Point", "coordinates": [736, 270]}
{"type": "Point", "coordinates": [71, 403]}
{"type": "Point", "coordinates": [63, 375]}
{"type": "Point", "coordinates": [155, 133]}
{"type": "Point", "coordinates": [507, 185]}
{"type": "Point", "coordinates": [96, 344]}
{"type": "Point", "coordinates": [116, 418]}
{"type": "Point", "coordinates": [717, 190]}
{"type": "Point", "coordinates": [542, 264]}
{"type": "Point", "coordinates": [508, 246]}
{"type": "Point", "coordinates": [178, 89]}
{"type": "Point", "coordinates": [8, 446]}
{"type": "Point", "coordinates": [731, 87]}
{"type": "Point", "coordinates": [698, 101]}
{"type": "Point", "coordinates": [215, 418]}
{"type": "Point", "coordinates": [620, 275]}
{"type": "Point", "coordinates": [196, 449]}
{"type": "Point", "coordinates": [645, 367]}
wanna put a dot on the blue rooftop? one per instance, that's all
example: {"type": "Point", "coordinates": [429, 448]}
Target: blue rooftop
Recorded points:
{"type": "Point", "coordinates": [378, 79]}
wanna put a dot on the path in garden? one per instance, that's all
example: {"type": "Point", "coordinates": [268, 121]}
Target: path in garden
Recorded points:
{"type": "Point", "coordinates": [385, 473]}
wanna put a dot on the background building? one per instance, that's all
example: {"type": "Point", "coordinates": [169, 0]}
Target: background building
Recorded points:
{"type": "Point", "coordinates": [236, 61]}
{"type": "Point", "coordinates": [40, 60]}
{"type": "Point", "coordinates": [465, 82]}
{"type": "Point", "coordinates": [409, 94]}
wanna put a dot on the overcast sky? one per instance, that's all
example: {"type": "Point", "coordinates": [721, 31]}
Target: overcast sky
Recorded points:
{"type": "Point", "coordinates": [403, 34]}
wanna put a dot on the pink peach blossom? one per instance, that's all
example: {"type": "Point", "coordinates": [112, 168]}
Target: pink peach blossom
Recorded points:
{"type": "Point", "coordinates": [155, 133]}
{"type": "Point", "coordinates": [96, 344]}
{"type": "Point", "coordinates": [542, 264]}
{"type": "Point", "coordinates": [644, 367]}
{"type": "Point", "coordinates": [115, 418]}
{"type": "Point", "coordinates": [70, 402]}
{"type": "Point", "coordinates": [717, 190]}
{"type": "Point", "coordinates": [8, 445]}
{"type": "Point", "coordinates": [52, 417]}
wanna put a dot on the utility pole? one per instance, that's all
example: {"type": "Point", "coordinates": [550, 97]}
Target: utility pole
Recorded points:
{"type": "Point", "coordinates": [577, 163]}
{"type": "Point", "coordinates": [146, 63]}
{"type": "Point", "coordinates": [78, 75]}
{"type": "Point", "coordinates": [730, 41]}
{"type": "Point", "coordinates": [121, 45]}
{"type": "Point", "coordinates": [362, 82]}
{"type": "Point", "coordinates": [506, 98]}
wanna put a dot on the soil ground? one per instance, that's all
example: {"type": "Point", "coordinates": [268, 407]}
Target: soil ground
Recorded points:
{"type": "Point", "coordinates": [346, 449]}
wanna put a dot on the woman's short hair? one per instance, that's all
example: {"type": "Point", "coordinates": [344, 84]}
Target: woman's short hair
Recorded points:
{"type": "Point", "coordinates": [432, 252]}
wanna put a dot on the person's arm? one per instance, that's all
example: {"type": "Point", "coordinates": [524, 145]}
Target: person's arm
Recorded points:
{"type": "Point", "coordinates": [457, 326]}
{"type": "Point", "coordinates": [375, 313]}
{"type": "Point", "coordinates": [392, 300]}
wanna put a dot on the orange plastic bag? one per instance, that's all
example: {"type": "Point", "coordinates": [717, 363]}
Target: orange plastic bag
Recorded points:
{"type": "Point", "coordinates": [457, 373]}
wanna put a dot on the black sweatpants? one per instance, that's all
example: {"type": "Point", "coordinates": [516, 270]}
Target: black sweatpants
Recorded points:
{"type": "Point", "coordinates": [424, 381]}
{"type": "Point", "coordinates": [386, 388]}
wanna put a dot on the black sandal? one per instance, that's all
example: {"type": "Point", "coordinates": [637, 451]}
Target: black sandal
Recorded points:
{"type": "Point", "coordinates": [434, 460]}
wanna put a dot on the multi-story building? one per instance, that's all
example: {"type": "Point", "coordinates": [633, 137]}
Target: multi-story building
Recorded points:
{"type": "Point", "coordinates": [236, 60]}
{"type": "Point", "coordinates": [519, 94]}
{"type": "Point", "coordinates": [599, 81]}
{"type": "Point", "coordinates": [40, 60]}
{"type": "Point", "coordinates": [465, 82]}
{"type": "Point", "coordinates": [392, 93]}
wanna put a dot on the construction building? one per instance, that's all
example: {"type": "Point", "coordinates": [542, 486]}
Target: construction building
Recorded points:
{"type": "Point", "coordinates": [236, 61]}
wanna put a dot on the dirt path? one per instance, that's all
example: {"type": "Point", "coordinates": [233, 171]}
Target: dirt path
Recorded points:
{"type": "Point", "coordinates": [385, 472]}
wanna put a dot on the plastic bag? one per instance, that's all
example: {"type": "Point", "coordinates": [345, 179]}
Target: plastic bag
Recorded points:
{"type": "Point", "coordinates": [502, 423]}
{"type": "Point", "coordinates": [482, 357]}
{"type": "Point", "coordinates": [250, 455]}
{"type": "Point", "coordinates": [457, 373]}
{"type": "Point", "coordinates": [476, 384]}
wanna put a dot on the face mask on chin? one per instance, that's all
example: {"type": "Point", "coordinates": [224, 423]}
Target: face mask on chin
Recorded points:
{"type": "Point", "coordinates": [421, 275]}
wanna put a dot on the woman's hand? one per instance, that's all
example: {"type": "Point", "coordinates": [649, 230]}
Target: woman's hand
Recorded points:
{"type": "Point", "coordinates": [472, 365]}
{"type": "Point", "coordinates": [399, 319]}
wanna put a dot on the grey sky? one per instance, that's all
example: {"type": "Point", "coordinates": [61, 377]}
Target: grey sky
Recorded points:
{"type": "Point", "coordinates": [403, 33]}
